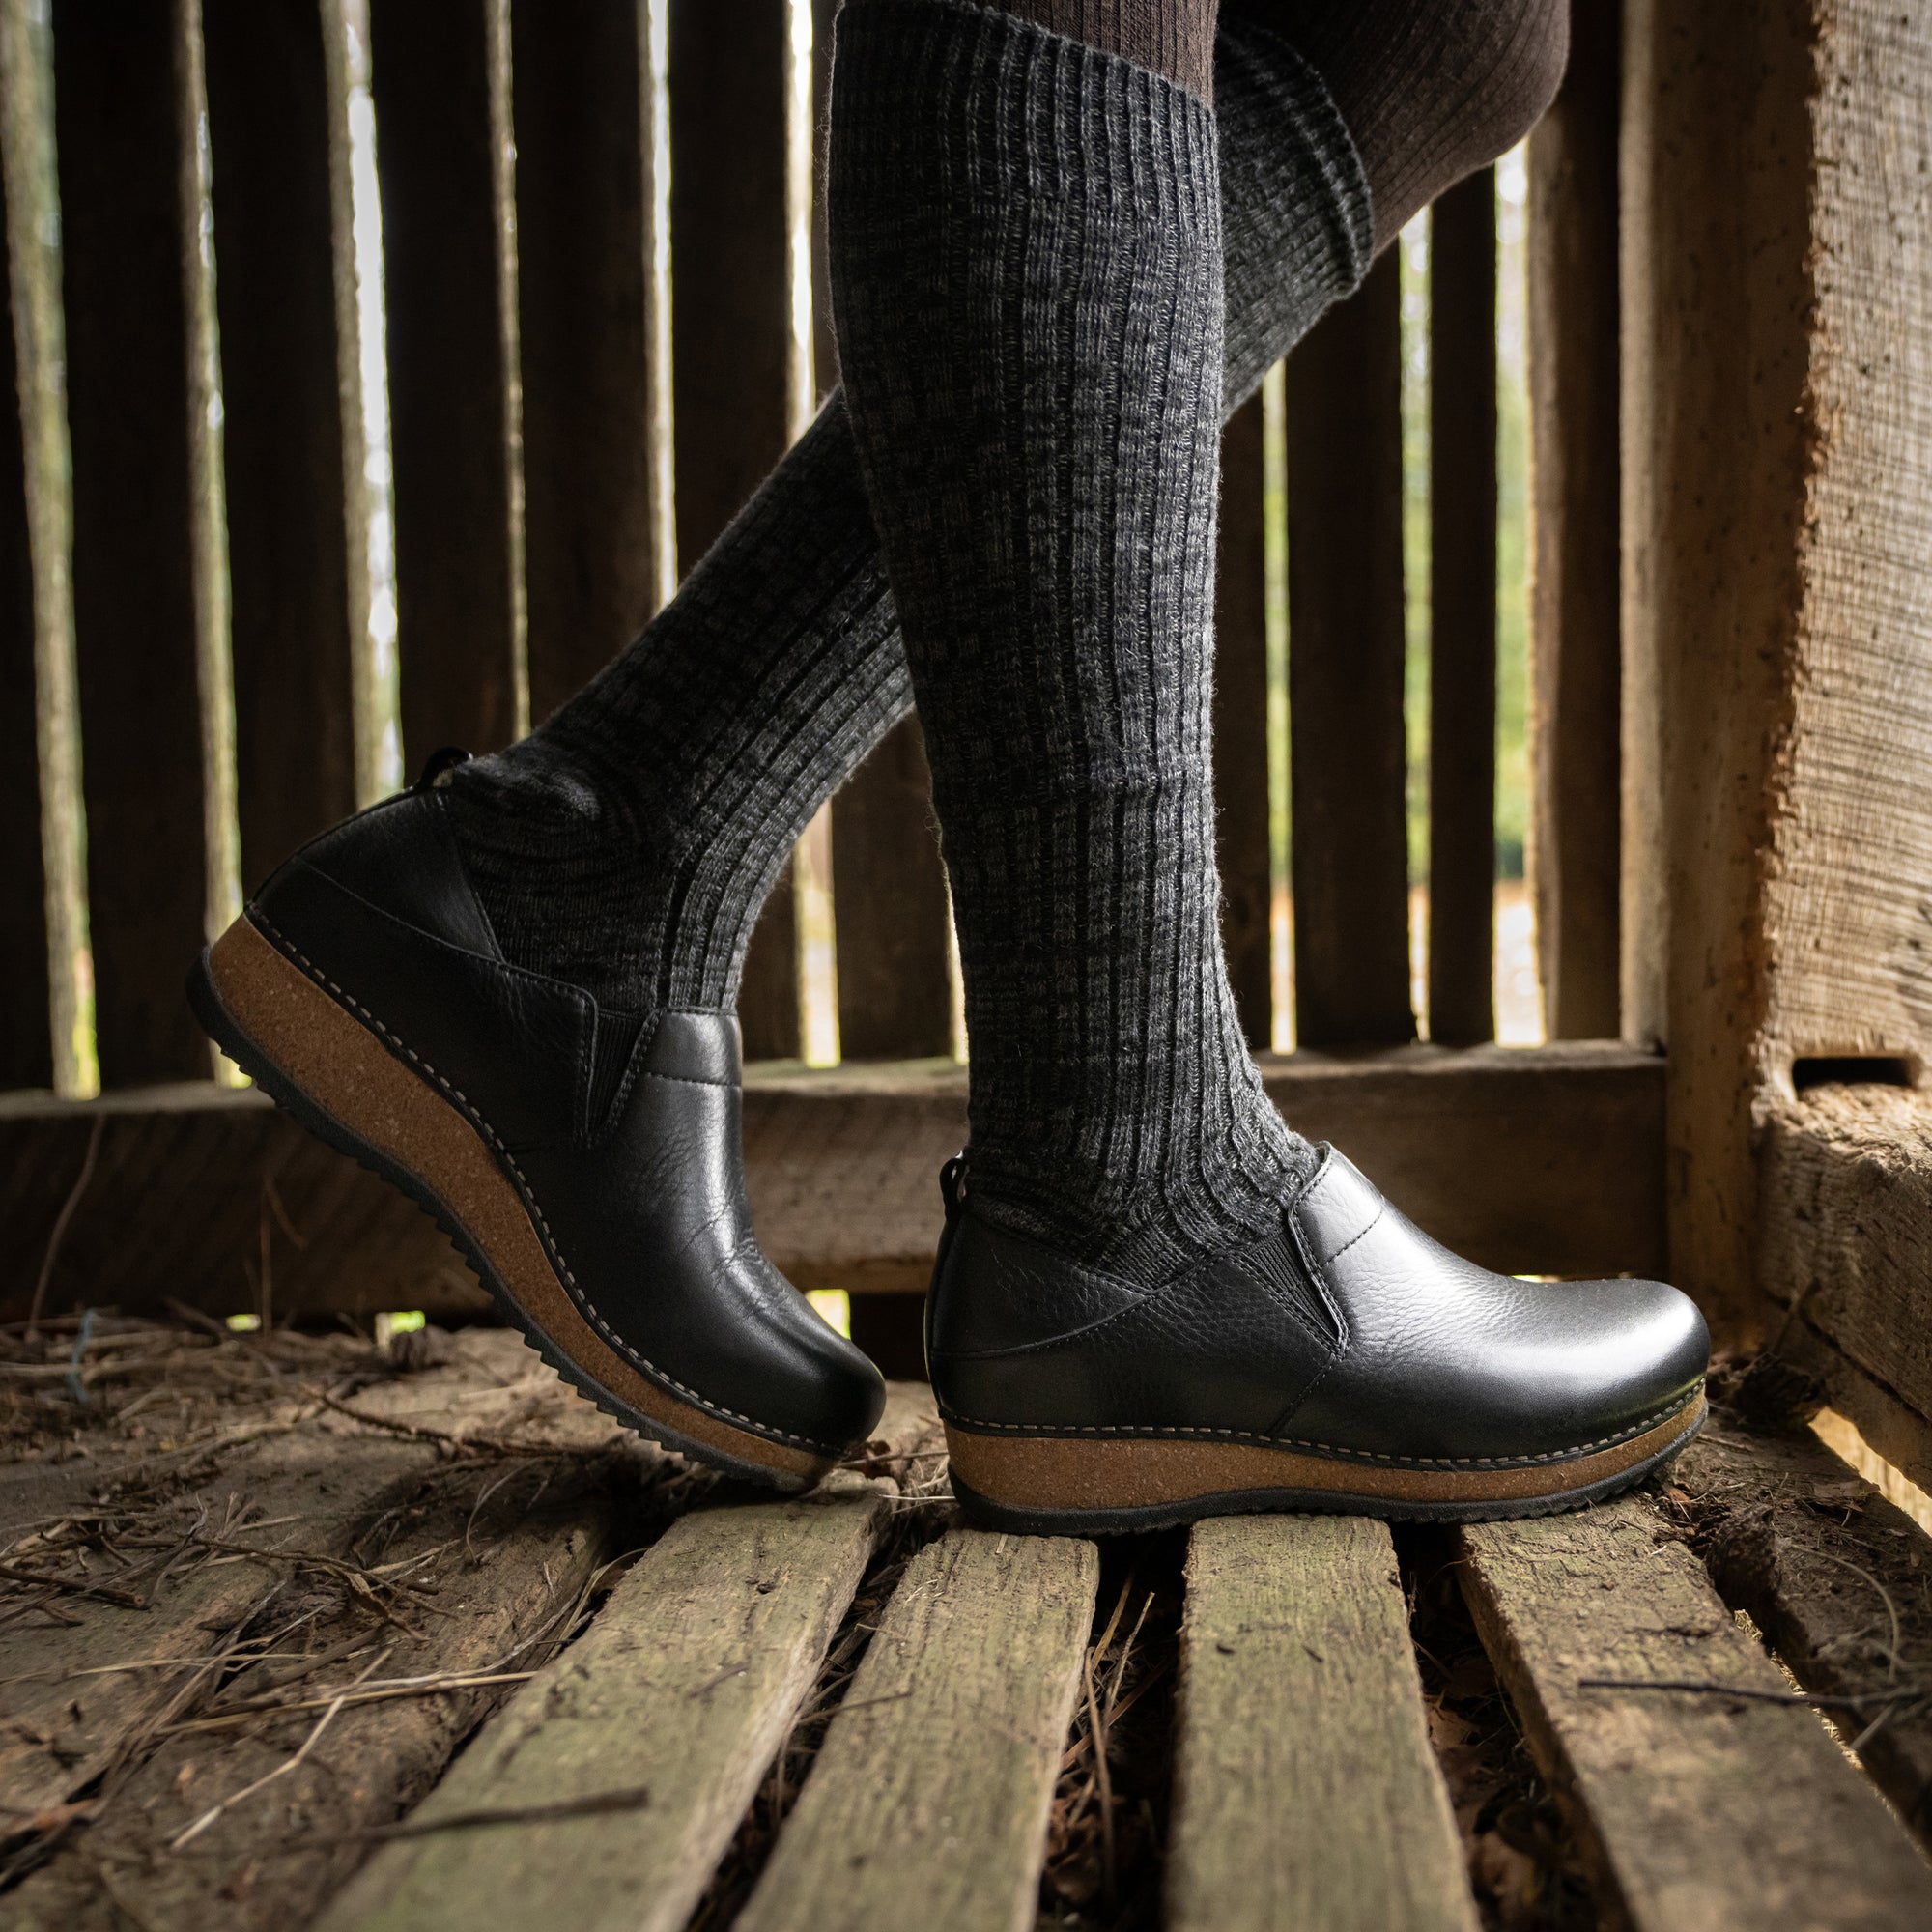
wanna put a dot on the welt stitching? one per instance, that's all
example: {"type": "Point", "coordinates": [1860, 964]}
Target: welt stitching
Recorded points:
{"type": "Point", "coordinates": [315, 973]}
{"type": "Point", "coordinates": [1327, 1448]}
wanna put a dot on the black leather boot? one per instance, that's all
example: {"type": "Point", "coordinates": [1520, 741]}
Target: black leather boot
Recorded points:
{"type": "Point", "coordinates": [586, 1163]}
{"type": "Point", "coordinates": [1347, 1363]}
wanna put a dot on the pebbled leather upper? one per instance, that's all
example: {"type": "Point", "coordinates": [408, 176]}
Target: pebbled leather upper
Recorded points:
{"type": "Point", "coordinates": [1350, 1331]}
{"type": "Point", "coordinates": [623, 1133]}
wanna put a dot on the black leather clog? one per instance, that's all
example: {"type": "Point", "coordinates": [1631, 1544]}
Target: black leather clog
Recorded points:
{"type": "Point", "coordinates": [586, 1163]}
{"type": "Point", "coordinates": [1348, 1362]}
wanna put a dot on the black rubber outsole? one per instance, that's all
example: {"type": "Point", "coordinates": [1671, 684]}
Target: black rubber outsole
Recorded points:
{"type": "Point", "coordinates": [1307, 1502]}
{"type": "Point", "coordinates": [221, 1025]}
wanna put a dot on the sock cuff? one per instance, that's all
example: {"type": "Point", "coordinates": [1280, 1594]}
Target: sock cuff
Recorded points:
{"type": "Point", "coordinates": [1291, 166]}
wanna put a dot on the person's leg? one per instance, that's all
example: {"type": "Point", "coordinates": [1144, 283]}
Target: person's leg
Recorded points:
{"type": "Point", "coordinates": [1143, 1266]}
{"type": "Point", "coordinates": [628, 843]}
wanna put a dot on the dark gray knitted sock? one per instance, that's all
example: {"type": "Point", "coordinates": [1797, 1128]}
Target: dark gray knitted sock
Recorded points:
{"type": "Point", "coordinates": [628, 843]}
{"type": "Point", "coordinates": [1026, 275]}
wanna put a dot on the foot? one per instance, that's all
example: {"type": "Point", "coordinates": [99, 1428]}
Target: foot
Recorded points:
{"type": "Point", "coordinates": [585, 1162]}
{"type": "Point", "coordinates": [1347, 1363]}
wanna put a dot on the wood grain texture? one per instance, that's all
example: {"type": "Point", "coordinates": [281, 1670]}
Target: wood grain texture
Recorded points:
{"type": "Point", "coordinates": [1305, 1789]}
{"type": "Point", "coordinates": [1575, 651]}
{"type": "Point", "coordinates": [439, 77]}
{"type": "Point", "coordinates": [298, 512]}
{"type": "Point", "coordinates": [44, 662]}
{"type": "Point", "coordinates": [685, 1685]}
{"type": "Point", "coordinates": [904, 1821]}
{"type": "Point", "coordinates": [1462, 611]}
{"type": "Point", "coordinates": [129, 236]}
{"type": "Point", "coordinates": [1240, 725]}
{"type": "Point", "coordinates": [1776, 300]}
{"type": "Point", "coordinates": [1347, 755]}
{"type": "Point", "coordinates": [1823, 1564]}
{"type": "Point", "coordinates": [890, 906]}
{"type": "Point", "coordinates": [1845, 1246]}
{"type": "Point", "coordinates": [582, 158]}
{"type": "Point", "coordinates": [1541, 1160]}
{"type": "Point", "coordinates": [1696, 1811]}
{"type": "Point", "coordinates": [496, 1556]}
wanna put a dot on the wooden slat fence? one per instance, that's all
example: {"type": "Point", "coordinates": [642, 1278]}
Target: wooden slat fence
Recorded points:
{"type": "Point", "coordinates": [569, 427]}
{"type": "Point", "coordinates": [195, 682]}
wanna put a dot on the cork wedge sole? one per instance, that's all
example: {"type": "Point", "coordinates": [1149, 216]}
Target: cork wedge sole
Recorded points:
{"type": "Point", "coordinates": [1089, 1486]}
{"type": "Point", "coordinates": [339, 1080]}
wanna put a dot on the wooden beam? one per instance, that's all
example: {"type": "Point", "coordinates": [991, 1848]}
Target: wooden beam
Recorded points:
{"type": "Point", "coordinates": [45, 839]}
{"type": "Point", "coordinates": [1694, 1810]}
{"type": "Point", "coordinates": [1348, 758]}
{"type": "Point", "coordinates": [1305, 1791]}
{"type": "Point", "coordinates": [292, 422]}
{"type": "Point", "coordinates": [1575, 673]}
{"type": "Point", "coordinates": [130, 225]}
{"type": "Point", "coordinates": [439, 74]}
{"type": "Point", "coordinates": [729, 1616]}
{"type": "Point", "coordinates": [890, 908]}
{"type": "Point", "coordinates": [1462, 611]}
{"type": "Point", "coordinates": [1536, 1160]}
{"type": "Point", "coordinates": [1778, 621]}
{"type": "Point", "coordinates": [1845, 1247]}
{"type": "Point", "coordinates": [585, 155]}
{"type": "Point", "coordinates": [1242, 724]}
{"type": "Point", "coordinates": [984, 1638]}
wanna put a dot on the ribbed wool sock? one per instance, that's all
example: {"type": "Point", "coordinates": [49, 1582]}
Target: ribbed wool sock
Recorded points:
{"type": "Point", "coordinates": [1026, 275]}
{"type": "Point", "coordinates": [628, 843]}
{"type": "Point", "coordinates": [1431, 90]}
{"type": "Point", "coordinates": [1173, 37]}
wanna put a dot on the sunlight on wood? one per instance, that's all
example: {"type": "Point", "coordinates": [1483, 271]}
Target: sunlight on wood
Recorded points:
{"type": "Point", "coordinates": [1842, 1436]}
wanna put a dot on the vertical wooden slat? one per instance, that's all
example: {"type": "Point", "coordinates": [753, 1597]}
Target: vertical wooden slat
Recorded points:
{"type": "Point", "coordinates": [1575, 735]}
{"type": "Point", "coordinates": [1346, 647]}
{"type": "Point", "coordinates": [582, 166]}
{"type": "Point", "coordinates": [298, 519]}
{"type": "Point", "coordinates": [1462, 611]}
{"type": "Point", "coordinates": [439, 73]}
{"type": "Point", "coordinates": [1240, 723]}
{"type": "Point", "coordinates": [33, 783]}
{"type": "Point", "coordinates": [894, 999]}
{"type": "Point", "coordinates": [731, 297]}
{"type": "Point", "coordinates": [127, 237]}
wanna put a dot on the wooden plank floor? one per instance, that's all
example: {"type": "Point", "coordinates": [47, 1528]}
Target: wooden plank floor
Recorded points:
{"type": "Point", "coordinates": [297, 1634]}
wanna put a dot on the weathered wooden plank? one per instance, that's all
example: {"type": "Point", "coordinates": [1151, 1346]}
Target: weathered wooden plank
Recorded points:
{"type": "Point", "coordinates": [984, 1641]}
{"type": "Point", "coordinates": [1845, 1234]}
{"type": "Point", "coordinates": [440, 76]}
{"type": "Point", "coordinates": [1696, 1810]}
{"type": "Point", "coordinates": [684, 1686]}
{"type": "Point", "coordinates": [1776, 304]}
{"type": "Point", "coordinates": [494, 1552]}
{"type": "Point", "coordinates": [294, 1462]}
{"type": "Point", "coordinates": [26, 1024]}
{"type": "Point", "coordinates": [583, 161]}
{"type": "Point", "coordinates": [50, 816]}
{"type": "Point", "coordinates": [843, 1168]}
{"type": "Point", "coordinates": [1349, 827]}
{"type": "Point", "coordinates": [291, 423]}
{"type": "Point", "coordinates": [1575, 649]}
{"type": "Point", "coordinates": [130, 241]}
{"type": "Point", "coordinates": [890, 907]}
{"type": "Point", "coordinates": [1240, 725]}
{"type": "Point", "coordinates": [1462, 611]}
{"type": "Point", "coordinates": [1305, 1790]}
{"type": "Point", "coordinates": [731, 310]}
{"type": "Point", "coordinates": [1834, 1575]}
